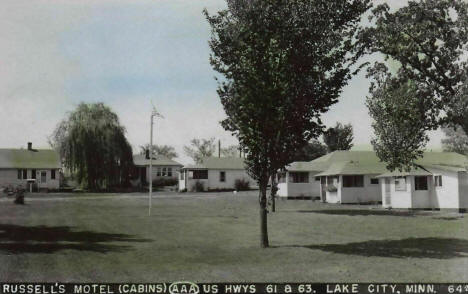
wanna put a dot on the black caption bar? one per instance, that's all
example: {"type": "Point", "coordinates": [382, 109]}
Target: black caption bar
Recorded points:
{"type": "Point", "coordinates": [232, 288]}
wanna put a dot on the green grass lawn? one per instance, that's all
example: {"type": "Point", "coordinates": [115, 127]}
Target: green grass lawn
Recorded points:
{"type": "Point", "coordinates": [214, 237]}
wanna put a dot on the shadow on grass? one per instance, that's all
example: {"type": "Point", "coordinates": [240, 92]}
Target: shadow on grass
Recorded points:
{"type": "Point", "coordinates": [439, 248]}
{"type": "Point", "coordinates": [15, 239]}
{"type": "Point", "coordinates": [361, 212]}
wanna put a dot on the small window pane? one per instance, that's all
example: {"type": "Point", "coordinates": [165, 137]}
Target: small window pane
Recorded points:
{"type": "Point", "coordinates": [374, 181]}
{"type": "Point", "coordinates": [33, 174]}
{"type": "Point", "coordinates": [200, 174]}
{"type": "Point", "coordinates": [169, 171]}
{"type": "Point", "coordinates": [20, 173]}
{"type": "Point", "coordinates": [420, 183]}
{"type": "Point", "coordinates": [353, 181]}
{"type": "Point", "coordinates": [298, 177]}
{"type": "Point", "coordinates": [222, 176]}
{"type": "Point", "coordinates": [25, 174]}
{"type": "Point", "coordinates": [158, 173]}
{"type": "Point", "coordinates": [52, 174]}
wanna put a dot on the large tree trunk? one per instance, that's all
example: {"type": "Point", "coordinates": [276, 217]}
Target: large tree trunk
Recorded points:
{"type": "Point", "coordinates": [274, 189]}
{"type": "Point", "coordinates": [263, 214]}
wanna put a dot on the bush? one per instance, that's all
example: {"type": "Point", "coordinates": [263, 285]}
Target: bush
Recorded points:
{"type": "Point", "coordinates": [198, 186]}
{"type": "Point", "coordinates": [332, 188]}
{"type": "Point", "coordinates": [161, 182]}
{"type": "Point", "coordinates": [241, 185]}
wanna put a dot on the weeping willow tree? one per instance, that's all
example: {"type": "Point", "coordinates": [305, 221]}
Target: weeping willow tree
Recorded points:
{"type": "Point", "coordinates": [93, 146]}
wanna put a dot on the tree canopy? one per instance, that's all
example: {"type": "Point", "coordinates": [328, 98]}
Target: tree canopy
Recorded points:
{"type": "Point", "coordinates": [230, 151]}
{"type": "Point", "coordinates": [398, 111]}
{"type": "Point", "coordinates": [283, 63]}
{"type": "Point", "coordinates": [314, 149]}
{"type": "Point", "coordinates": [159, 150]}
{"type": "Point", "coordinates": [339, 137]}
{"type": "Point", "coordinates": [429, 40]}
{"type": "Point", "coordinates": [93, 146]}
{"type": "Point", "coordinates": [200, 148]}
{"type": "Point", "coordinates": [455, 140]}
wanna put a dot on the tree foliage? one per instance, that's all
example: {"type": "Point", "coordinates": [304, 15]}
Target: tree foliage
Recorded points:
{"type": "Point", "coordinates": [283, 63]}
{"type": "Point", "coordinates": [230, 151]}
{"type": "Point", "coordinates": [93, 146]}
{"type": "Point", "coordinates": [398, 109]}
{"type": "Point", "coordinates": [159, 150]}
{"type": "Point", "coordinates": [200, 148]}
{"type": "Point", "coordinates": [429, 39]}
{"type": "Point", "coordinates": [339, 137]}
{"type": "Point", "coordinates": [455, 140]}
{"type": "Point", "coordinates": [314, 149]}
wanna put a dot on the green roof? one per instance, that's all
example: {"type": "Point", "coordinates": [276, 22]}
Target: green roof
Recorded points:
{"type": "Point", "coordinates": [343, 162]}
{"type": "Point", "coordinates": [32, 159]}
{"type": "Point", "coordinates": [219, 163]}
{"type": "Point", "coordinates": [443, 159]}
{"type": "Point", "coordinates": [367, 162]}
{"type": "Point", "coordinates": [140, 160]}
{"type": "Point", "coordinates": [413, 172]}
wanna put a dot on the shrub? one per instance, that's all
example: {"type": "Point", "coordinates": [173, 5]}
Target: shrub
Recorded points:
{"type": "Point", "coordinates": [161, 182]}
{"type": "Point", "coordinates": [198, 186]}
{"type": "Point", "coordinates": [242, 185]}
{"type": "Point", "coordinates": [332, 188]}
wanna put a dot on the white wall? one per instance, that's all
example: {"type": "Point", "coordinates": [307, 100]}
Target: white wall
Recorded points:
{"type": "Point", "coordinates": [446, 196]}
{"type": "Point", "coordinates": [213, 181]}
{"type": "Point", "coordinates": [400, 199]}
{"type": "Point", "coordinates": [182, 182]}
{"type": "Point", "coordinates": [310, 189]}
{"type": "Point", "coordinates": [463, 189]}
{"type": "Point", "coordinates": [10, 177]}
{"type": "Point", "coordinates": [368, 193]}
{"type": "Point", "coordinates": [231, 177]}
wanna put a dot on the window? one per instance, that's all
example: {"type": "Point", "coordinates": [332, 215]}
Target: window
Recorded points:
{"type": "Point", "coordinates": [200, 174]}
{"type": "Point", "coordinates": [420, 183]}
{"type": "Point", "coordinates": [282, 177]}
{"type": "Point", "coordinates": [317, 179]}
{"type": "Point", "coordinates": [222, 176]}
{"type": "Point", "coordinates": [374, 181]}
{"type": "Point", "coordinates": [25, 174]}
{"type": "Point", "coordinates": [438, 181]}
{"type": "Point", "coordinates": [158, 173]}
{"type": "Point", "coordinates": [20, 173]}
{"type": "Point", "coordinates": [52, 174]}
{"type": "Point", "coordinates": [33, 174]}
{"type": "Point", "coordinates": [169, 171]}
{"type": "Point", "coordinates": [353, 181]}
{"type": "Point", "coordinates": [400, 184]}
{"type": "Point", "coordinates": [164, 172]}
{"type": "Point", "coordinates": [298, 177]}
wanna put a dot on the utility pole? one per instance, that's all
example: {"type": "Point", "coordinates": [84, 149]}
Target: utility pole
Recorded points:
{"type": "Point", "coordinates": [151, 166]}
{"type": "Point", "coordinates": [150, 196]}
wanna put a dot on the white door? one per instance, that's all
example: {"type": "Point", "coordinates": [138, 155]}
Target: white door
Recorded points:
{"type": "Point", "coordinates": [43, 179]}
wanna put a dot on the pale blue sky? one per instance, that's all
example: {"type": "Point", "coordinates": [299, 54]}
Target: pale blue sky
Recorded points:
{"type": "Point", "coordinates": [55, 54]}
